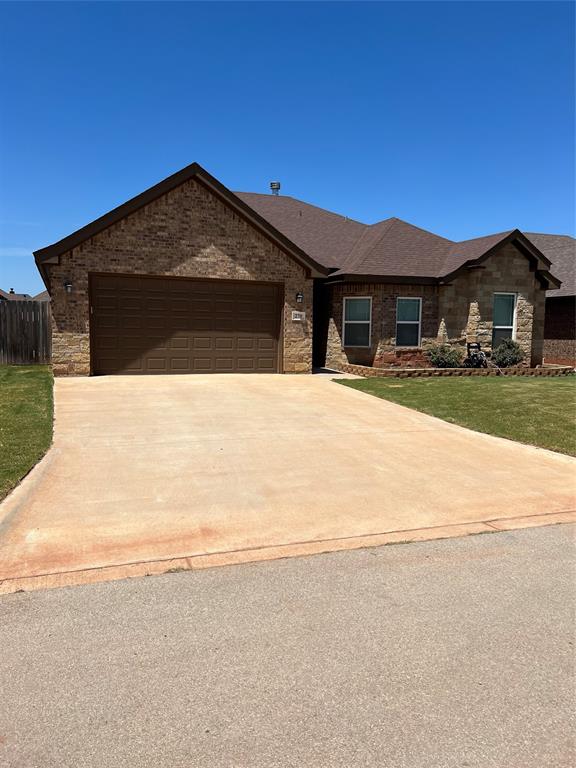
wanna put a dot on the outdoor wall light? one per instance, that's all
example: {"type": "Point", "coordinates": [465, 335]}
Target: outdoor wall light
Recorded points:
{"type": "Point", "coordinates": [299, 297]}
{"type": "Point", "coordinates": [68, 286]}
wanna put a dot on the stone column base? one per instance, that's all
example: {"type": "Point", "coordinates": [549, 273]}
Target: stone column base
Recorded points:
{"type": "Point", "coordinates": [70, 354]}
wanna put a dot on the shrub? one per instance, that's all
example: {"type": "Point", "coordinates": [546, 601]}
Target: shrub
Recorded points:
{"type": "Point", "coordinates": [507, 353]}
{"type": "Point", "coordinates": [445, 356]}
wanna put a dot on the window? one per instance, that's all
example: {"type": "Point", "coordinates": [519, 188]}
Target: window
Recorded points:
{"type": "Point", "coordinates": [357, 321]}
{"type": "Point", "coordinates": [408, 316]}
{"type": "Point", "coordinates": [503, 317]}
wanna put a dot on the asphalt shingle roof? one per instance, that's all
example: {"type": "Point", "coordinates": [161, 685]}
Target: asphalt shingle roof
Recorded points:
{"type": "Point", "coordinates": [325, 236]}
{"type": "Point", "coordinates": [391, 247]}
{"type": "Point", "coordinates": [561, 250]}
{"type": "Point", "coordinates": [14, 296]}
{"type": "Point", "coordinates": [394, 247]}
{"type": "Point", "coordinates": [328, 243]}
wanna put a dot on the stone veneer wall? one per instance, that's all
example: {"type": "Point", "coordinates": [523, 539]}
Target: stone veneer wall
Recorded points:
{"type": "Point", "coordinates": [457, 313]}
{"type": "Point", "coordinates": [187, 232]}
{"type": "Point", "coordinates": [465, 306]}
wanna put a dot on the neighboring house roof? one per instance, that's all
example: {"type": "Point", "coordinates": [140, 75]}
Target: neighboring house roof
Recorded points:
{"type": "Point", "coordinates": [327, 243]}
{"type": "Point", "coordinates": [11, 296]}
{"type": "Point", "coordinates": [561, 250]}
{"type": "Point", "coordinates": [43, 296]}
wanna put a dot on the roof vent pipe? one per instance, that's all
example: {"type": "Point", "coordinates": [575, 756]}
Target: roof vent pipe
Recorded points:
{"type": "Point", "coordinates": [275, 187]}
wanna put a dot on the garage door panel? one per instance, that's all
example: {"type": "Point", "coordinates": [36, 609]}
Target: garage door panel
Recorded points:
{"type": "Point", "coordinates": [159, 344]}
{"type": "Point", "coordinates": [224, 306]}
{"type": "Point", "coordinates": [104, 303]}
{"type": "Point", "coordinates": [109, 321]}
{"type": "Point", "coordinates": [181, 306]}
{"type": "Point", "coordinates": [224, 364]}
{"type": "Point", "coordinates": [157, 364]}
{"type": "Point", "coordinates": [227, 343]}
{"type": "Point", "coordinates": [130, 303]}
{"type": "Point", "coordinates": [180, 343]}
{"type": "Point", "coordinates": [128, 323]}
{"type": "Point", "coordinates": [170, 325]}
{"type": "Point", "coordinates": [108, 342]}
{"type": "Point", "coordinates": [202, 364]}
{"type": "Point", "coordinates": [202, 343]}
{"type": "Point", "coordinates": [180, 364]}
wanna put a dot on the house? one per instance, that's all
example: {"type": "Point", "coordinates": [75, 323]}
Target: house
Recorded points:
{"type": "Point", "coordinates": [191, 277]}
{"type": "Point", "coordinates": [11, 296]}
{"type": "Point", "coordinates": [560, 313]}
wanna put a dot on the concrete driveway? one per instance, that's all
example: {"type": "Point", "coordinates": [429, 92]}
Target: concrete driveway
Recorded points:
{"type": "Point", "coordinates": [186, 470]}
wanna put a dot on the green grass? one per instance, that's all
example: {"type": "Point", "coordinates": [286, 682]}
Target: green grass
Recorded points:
{"type": "Point", "coordinates": [26, 408]}
{"type": "Point", "coordinates": [537, 411]}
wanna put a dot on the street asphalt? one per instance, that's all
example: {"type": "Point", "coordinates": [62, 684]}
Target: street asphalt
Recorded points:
{"type": "Point", "coordinates": [445, 654]}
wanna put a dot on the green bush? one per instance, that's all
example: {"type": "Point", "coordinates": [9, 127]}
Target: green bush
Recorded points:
{"type": "Point", "coordinates": [507, 353]}
{"type": "Point", "coordinates": [445, 356]}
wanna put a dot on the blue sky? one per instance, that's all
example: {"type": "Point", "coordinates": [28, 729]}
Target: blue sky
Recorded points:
{"type": "Point", "coordinates": [456, 116]}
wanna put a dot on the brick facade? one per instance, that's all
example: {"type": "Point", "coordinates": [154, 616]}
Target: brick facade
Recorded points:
{"type": "Point", "coordinates": [382, 351]}
{"type": "Point", "coordinates": [457, 313]}
{"type": "Point", "coordinates": [560, 330]}
{"type": "Point", "coordinates": [188, 232]}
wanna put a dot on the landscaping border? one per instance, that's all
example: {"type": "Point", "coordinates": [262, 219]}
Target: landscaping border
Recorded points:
{"type": "Point", "coordinates": [368, 371]}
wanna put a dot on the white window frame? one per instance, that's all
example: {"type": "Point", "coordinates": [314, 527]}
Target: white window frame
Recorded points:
{"type": "Point", "coordinates": [500, 327]}
{"type": "Point", "coordinates": [356, 322]}
{"type": "Point", "coordinates": [409, 322]}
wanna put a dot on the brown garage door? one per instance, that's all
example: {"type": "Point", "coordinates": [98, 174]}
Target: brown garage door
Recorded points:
{"type": "Point", "coordinates": [175, 325]}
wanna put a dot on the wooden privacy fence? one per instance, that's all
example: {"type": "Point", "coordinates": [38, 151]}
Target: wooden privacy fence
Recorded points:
{"type": "Point", "coordinates": [25, 336]}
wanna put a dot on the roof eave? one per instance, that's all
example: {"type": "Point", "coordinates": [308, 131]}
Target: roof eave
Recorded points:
{"type": "Point", "coordinates": [517, 237]}
{"type": "Point", "coordinates": [550, 279]}
{"type": "Point", "coordinates": [350, 277]}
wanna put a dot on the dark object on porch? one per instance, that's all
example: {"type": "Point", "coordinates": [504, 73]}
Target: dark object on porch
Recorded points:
{"type": "Point", "coordinates": [475, 358]}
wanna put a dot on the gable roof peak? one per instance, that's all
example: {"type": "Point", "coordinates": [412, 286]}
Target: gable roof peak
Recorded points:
{"type": "Point", "coordinates": [409, 224]}
{"type": "Point", "coordinates": [192, 171]}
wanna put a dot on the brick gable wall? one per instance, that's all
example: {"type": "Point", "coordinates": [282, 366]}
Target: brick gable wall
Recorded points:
{"type": "Point", "coordinates": [187, 232]}
{"type": "Point", "coordinates": [466, 305]}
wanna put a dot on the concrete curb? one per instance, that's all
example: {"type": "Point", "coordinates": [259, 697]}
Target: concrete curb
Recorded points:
{"type": "Point", "coordinates": [299, 549]}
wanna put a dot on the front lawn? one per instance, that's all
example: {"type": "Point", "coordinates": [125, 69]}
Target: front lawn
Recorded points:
{"type": "Point", "coordinates": [26, 408]}
{"type": "Point", "coordinates": [537, 411]}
